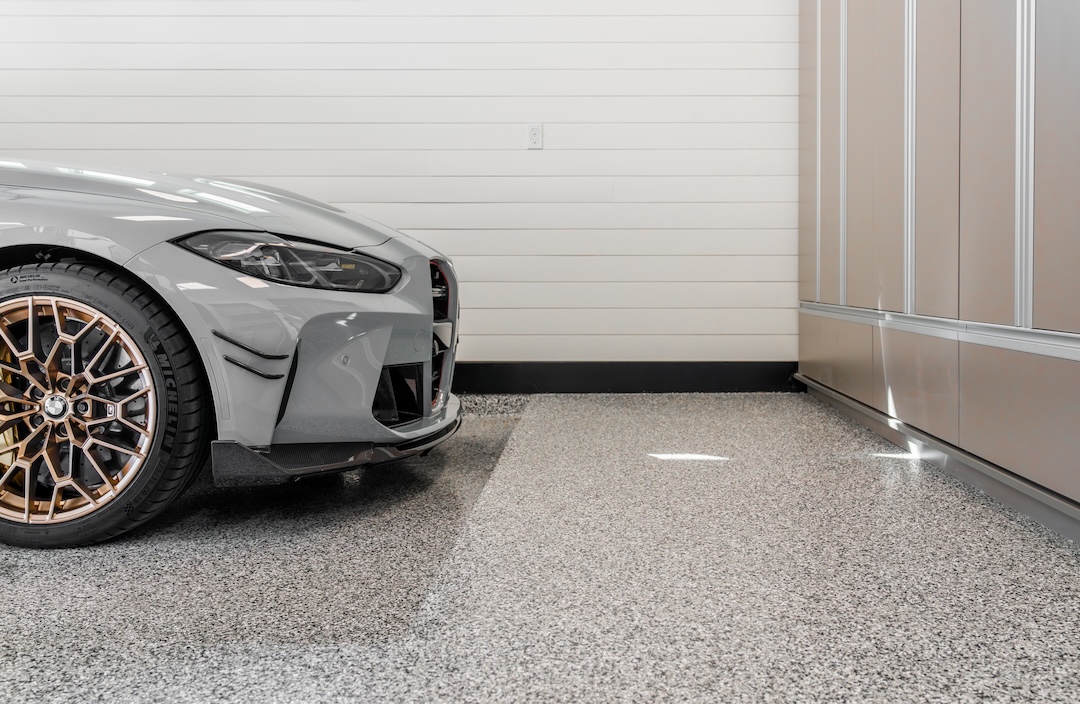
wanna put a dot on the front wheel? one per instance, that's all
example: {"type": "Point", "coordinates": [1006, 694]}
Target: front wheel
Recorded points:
{"type": "Point", "coordinates": [103, 407]}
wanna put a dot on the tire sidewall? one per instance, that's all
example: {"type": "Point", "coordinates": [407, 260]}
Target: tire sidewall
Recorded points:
{"type": "Point", "coordinates": [68, 283]}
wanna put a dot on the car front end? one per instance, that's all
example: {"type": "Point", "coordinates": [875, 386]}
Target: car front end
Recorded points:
{"type": "Point", "coordinates": [315, 376]}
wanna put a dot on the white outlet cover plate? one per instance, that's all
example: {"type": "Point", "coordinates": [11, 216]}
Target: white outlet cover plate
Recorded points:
{"type": "Point", "coordinates": [535, 136]}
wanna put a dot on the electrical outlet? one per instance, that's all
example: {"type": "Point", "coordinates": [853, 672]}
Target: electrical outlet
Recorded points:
{"type": "Point", "coordinates": [536, 136]}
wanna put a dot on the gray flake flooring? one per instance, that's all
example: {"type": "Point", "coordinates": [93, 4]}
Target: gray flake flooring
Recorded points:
{"type": "Point", "coordinates": [814, 563]}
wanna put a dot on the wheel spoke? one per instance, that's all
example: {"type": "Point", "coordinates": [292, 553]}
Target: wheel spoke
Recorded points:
{"type": "Point", "coordinates": [132, 451]}
{"type": "Point", "coordinates": [10, 420]}
{"type": "Point", "coordinates": [30, 484]}
{"type": "Point", "coordinates": [58, 319]}
{"type": "Point", "coordinates": [20, 447]}
{"type": "Point", "coordinates": [97, 442]}
{"type": "Point", "coordinates": [33, 331]}
{"type": "Point", "coordinates": [78, 434]}
{"type": "Point", "coordinates": [52, 502]}
{"type": "Point", "coordinates": [94, 398]}
{"type": "Point", "coordinates": [12, 398]}
{"type": "Point", "coordinates": [88, 369]}
{"type": "Point", "coordinates": [135, 427]}
{"type": "Point", "coordinates": [51, 362]}
{"type": "Point", "coordinates": [90, 325]}
{"type": "Point", "coordinates": [9, 473]}
{"type": "Point", "coordinates": [53, 462]}
{"type": "Point", "coordinates": [117, 374]}
{"type": "Point", "coordinates": [8, 341]}
{"type": "Point", "coordinates": [9, 393]}
{"type": "Point", "coordinates": [78, 362]}
{"type": "Point", "coordinates": [93, 423]}
{"type": "Point", "coordinates": [35, 376]}
{"type": "Point", "coordinates": [145, 391]}
{"type": "Point", "coordinates": [77, 486]}
{"type": "Point", "coordinates": [97, 468]}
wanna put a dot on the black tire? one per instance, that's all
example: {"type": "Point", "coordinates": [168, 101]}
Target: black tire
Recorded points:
{"type": "Point", "coordinates": [178, 439]}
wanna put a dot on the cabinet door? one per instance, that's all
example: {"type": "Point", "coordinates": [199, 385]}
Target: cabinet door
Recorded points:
{"type": "Point", "coordinates": [830, 151]}
{"type": "Point", "coordinates": [875, 155]}
{"type": "Point", "coordinates": [937, 159]}
{"type": "Point", "coordinates": [1057, 165]}
{"type": "Point", "coordinates": [808, 150]}
{"type": "Point", "coordinates": [988, 161]}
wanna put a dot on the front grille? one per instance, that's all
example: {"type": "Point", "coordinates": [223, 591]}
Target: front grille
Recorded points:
{"type": "Point", "coordinates": [398, 396]}
{"type": "Point", "coordinates": [441, 322]}
{"type": "Point", "coordinates": [440, 293]}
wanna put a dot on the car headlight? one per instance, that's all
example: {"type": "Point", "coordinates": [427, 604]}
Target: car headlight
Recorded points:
{"type": "Point", "coordinates": [296, 263]}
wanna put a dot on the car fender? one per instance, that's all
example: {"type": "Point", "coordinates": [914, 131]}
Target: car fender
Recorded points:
{"type": "Point", "coordinates": [114, 229]}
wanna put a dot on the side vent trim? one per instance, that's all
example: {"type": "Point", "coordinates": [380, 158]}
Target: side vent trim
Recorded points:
{"type": "Point", "coordinates": [289, 382]}
{"type": "Point", "coordinates": [253, 370]}
{"type": "Point", "coordinates": [247, 348]}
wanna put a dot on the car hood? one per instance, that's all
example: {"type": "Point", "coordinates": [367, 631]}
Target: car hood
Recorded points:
{"type": "Point", "coordinates": [250, 205]}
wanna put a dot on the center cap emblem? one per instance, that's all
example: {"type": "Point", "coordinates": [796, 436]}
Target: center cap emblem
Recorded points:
{"type": "Point", "coordinates": [56, 407]}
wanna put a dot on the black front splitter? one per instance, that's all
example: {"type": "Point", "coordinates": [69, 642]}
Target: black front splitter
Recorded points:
{"type": "Point", "coordinates": [239, 465]}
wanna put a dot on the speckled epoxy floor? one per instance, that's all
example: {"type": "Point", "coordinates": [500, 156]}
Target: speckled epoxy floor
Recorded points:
{"type": "Point", "coordinates": [813, 564]}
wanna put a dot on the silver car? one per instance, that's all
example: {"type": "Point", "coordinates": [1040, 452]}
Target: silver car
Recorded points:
{"type": "Point", "coordinates": [148, 320]}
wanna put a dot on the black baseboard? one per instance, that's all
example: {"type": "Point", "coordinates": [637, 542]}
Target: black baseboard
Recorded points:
{"type": "Point", "coordinates": [623, 377]}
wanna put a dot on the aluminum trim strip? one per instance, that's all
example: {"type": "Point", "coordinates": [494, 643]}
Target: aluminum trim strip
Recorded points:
{"type": "Point", "coordinates": [904, 326]}
{"type": "Point", "coordinates": [1025, 156]}
{"type": "Point", "coordinates": [1042, 342]}
{"type": "Point", "coordinates": [1043, 349]}
{"type": "Point", "coordinates": [868, 316]}
{"type": "Point", "coordinates": [910, 77]}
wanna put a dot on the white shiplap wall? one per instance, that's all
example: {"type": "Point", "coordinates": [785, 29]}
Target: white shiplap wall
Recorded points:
{"type": "Point", "coordinates": [657, 224]}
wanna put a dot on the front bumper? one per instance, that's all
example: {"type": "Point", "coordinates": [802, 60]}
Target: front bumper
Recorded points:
{"type": "Point", "coordinates": [238, 465]}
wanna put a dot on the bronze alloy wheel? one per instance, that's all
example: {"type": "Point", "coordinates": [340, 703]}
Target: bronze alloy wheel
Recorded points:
{"type": "Point", "coordinates": [77, 409]}
{"type": "Point", "coordinates": [105, 417]}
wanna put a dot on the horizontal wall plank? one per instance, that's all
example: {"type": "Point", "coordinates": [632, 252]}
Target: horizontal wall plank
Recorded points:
{"type": "Point", "coordinates": [594, 321]}
{"type": "Point", "coordinates": [594, 242]}
{"type": "Point", "coordinates": [375, 8]}
{"type": "Point", "coordinates": [453, 189]}
{"type": "Point", "coordinates": [674, 269]}
{"type": "Point", "coordinates": [628, 348]}
{"type": "Point", "coordinates": [256, 165]}
{"type": "Point", "coordinates": [579, 215]}
{"type": "Point", "coordinates": [83, 56]}
{"type": "Point", "coordinates": [411, 30]}
{"type": "Point", "coordinates": [395, 109]}
{"type": "Point", "coordinates": [707, 189]}
{"type": "Point", "coordinates": [201, 84]}
{"type": "Point", "coordinates": [543, 189]}
{"type": "Point", "coordinates": [642, 294]}
{"type": "Point", "coordinates": [696, 136]}
{"type": "Point", "coordinates": [390, 136]}
{"type": "Point", "coordinates": [262, 137]}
